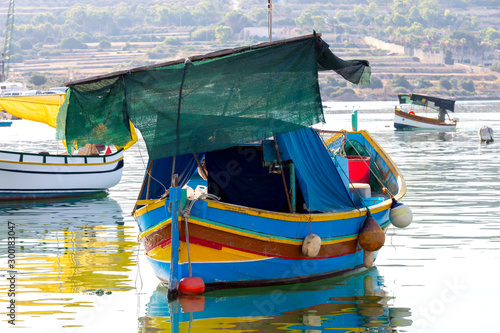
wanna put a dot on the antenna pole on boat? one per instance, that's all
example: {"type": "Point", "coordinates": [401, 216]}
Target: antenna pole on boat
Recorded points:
{"type": "Point", "coordinates": [270, 19]}
{"type": "Point", "coordinates": [175, 194]}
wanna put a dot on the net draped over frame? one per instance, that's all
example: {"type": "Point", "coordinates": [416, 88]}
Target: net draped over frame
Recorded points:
{"type": "Point", "coordinates": [209, 104]}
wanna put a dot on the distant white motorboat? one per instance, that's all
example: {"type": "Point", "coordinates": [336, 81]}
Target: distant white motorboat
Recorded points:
{"type": "Point", "coordinates": [408, 120]}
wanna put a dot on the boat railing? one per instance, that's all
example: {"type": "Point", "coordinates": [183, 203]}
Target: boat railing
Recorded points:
{"type": "Point", "coordinates": [46, 158]}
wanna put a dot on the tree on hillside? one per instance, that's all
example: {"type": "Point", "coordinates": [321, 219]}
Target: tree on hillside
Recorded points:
{"type": "Point", "coordinates": [400, 81]}
{"type": "Point", "coordinates": [400, 6]}
{"type": "Point", "coordinates": [90, 19]}
{"type": "Point", "coordinates": [203, 34]}
{"type": "Point", "coordinates": [37, 79]}
{"type": "Point", "coordinates": [236, 20]}
{"type": "Point", "coordinates": [445, 84]}
{"type": "Point", "coordinates": [312, 18]}
{"type": "Point", "coordinates": [468, 85]}
{"type": "Point", "coordinates": [375, 83]}
{"type": "Point", "coordinates": [414, 16]}
{"type": "Point", "coordinates": [465, 42]}
{"type": "Point", "coordinates": [258, 14]}
{"type": "Point", "coordinates": [469, 23]}
{"type": "Point", "coordinates": [104, 44]}
{"type": "Point", "coordinates": [333, 82]}
{"type": "Point", "coordinates": [84, 37]}
{"type": "Point", "coordinates": [448, 19]}
{"type": "Point", "coordinates": [209, 12]}
{"type": "Point", "coordinates": [223, 33]}
{"type": "Point", "coordinates": [491, 34]}
{"type": "Point", "coordinates": [359, 13]}
{"type": "Point", "coordinates": [25, 44]}
{"type": "Point", "coordinates": [72, 43]}
{"type": "Point", "coordinates": [176, 15]}
{"type": "Point", "coordinates": [43, 18]}
{"type": "Point", "coordinates": [398, 20]}
{"type": "Point", "coordinates": [448, 58]}
{"type": "Point", "coordinates": [423, 83]}
{"type": "Point", "coordinates": [430, 16]}
{"type": "Point", "coordinates": [122, 15]}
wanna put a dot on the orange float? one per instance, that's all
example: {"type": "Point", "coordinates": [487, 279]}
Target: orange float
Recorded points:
{"type": "Point", "coordinates": [191, 286]}
{"type": "Point", "coordinates": [371, 236]}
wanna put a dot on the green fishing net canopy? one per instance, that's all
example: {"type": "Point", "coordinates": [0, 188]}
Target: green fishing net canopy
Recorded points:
{"type": "Point", "coordinates": [208, 102]}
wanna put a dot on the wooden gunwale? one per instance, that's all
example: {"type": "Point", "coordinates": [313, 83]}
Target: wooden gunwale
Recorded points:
{"type": "Point", "coordinates": [421, 119]}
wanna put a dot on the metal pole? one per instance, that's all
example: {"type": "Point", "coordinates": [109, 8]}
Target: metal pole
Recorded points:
{"type": "Point", "coordinates": [175, 193]}
{"type": "Point", "coordinates": [270, 19]}
{"type": "Point", "coordinates": [293, 198]}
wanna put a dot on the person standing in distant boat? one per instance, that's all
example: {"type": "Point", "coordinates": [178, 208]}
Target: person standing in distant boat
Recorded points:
{"type": "Point", "coordinates": [442, 114]}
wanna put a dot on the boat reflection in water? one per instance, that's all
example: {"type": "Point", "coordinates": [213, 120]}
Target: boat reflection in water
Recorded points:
{"type": "Point", "coordinates": [70, 248]}
{"type": "Point", "coordinates": [354, 303]}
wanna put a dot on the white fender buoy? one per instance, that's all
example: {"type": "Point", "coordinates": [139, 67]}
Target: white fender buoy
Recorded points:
{"type": "Point", "coordinates": [311, 245]}
{"type": "Point", "coordinates": [311, 320]}
{"type": "Point", "coordinates": [486, 134]}
{"type": "Point", "coordinates": [400, 215]}
{"type": "Point", "coordinates": [368, 259]}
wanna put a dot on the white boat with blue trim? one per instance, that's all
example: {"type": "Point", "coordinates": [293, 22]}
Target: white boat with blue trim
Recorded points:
{"type": "Point", "coordinates": [26, 176]}
{"type": "Point", "coordinates": [37, 176]}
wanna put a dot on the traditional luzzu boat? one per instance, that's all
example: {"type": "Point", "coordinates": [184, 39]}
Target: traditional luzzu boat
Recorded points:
{"type": "Point", "coordinates": [42, 175]}
{"type": "Point", "coordinates": [284, 203]}
{"type": "Point", "coordinates": [409, 120]}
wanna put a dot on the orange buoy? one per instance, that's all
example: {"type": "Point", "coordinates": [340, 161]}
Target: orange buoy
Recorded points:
{"type": "Point", "coordinates": [191, 285]}
{"type": "Point", "coordinates": [411, 112]}
{"type": "Point", "coordinates": [371, 236]}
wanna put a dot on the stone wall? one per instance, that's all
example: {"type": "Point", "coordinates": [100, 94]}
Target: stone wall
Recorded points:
{"type": "Point", "coordinates": [427, 57]}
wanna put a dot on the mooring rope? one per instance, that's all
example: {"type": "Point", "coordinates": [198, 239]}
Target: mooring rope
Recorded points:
{"type": "Point", "coordinates": [185, 213]}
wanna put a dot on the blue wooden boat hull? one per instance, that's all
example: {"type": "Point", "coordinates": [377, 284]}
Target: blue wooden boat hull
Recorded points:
{"type": "Point", "coordinates": [233, 246]}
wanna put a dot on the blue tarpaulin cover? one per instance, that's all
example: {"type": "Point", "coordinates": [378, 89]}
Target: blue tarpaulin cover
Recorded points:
{"type": "Point", "coordinates": [319, 179]}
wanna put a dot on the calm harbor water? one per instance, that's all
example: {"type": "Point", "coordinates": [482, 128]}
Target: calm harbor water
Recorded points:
{"type": "Point", "coordinates": [80, 269]}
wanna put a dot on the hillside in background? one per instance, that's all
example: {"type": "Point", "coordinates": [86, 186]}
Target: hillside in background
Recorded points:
{"type": "Point", "coordinates": [446, 48]}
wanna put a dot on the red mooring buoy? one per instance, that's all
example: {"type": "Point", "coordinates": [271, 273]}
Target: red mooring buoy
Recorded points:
{"type": "Point", "coordinates": [191, 285]}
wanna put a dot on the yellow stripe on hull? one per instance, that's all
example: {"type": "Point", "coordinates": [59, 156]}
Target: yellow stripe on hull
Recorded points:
{"type": "Point", "coordinates": [264, 238]}
{"type": "Point", "coordinates": [201, 253]}
{"type": "Point", "coordinates": [210, 225]}
{"type": "Point", "coordinates": [207, 324]}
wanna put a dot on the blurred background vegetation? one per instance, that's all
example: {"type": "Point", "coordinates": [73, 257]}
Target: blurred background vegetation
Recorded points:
{"type": "Point", "coordinates": [54, 42]}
